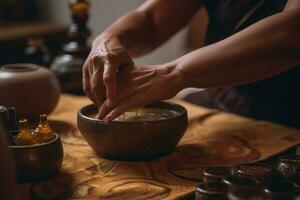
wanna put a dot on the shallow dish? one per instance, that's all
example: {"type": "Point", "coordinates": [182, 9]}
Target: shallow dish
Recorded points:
{"type": "Point", "coordinates": [39, 161]}
{"type": "Point", "coordinates": [143, 140]}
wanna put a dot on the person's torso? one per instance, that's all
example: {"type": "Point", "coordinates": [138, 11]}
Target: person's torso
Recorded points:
{"type": "Point", "coordinates": [230, 16]}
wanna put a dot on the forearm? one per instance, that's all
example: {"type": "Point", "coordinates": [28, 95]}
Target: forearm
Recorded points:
{"type": "Point", "coordinates": [151, 24]}
{"type": "Point", "coordinates": [135, 31]}
{"type": "Point", "coordinates": [265, 49]}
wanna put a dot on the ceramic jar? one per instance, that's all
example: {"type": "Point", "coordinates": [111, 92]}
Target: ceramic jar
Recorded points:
{"type": "Point", "coordinates": [31, 89]}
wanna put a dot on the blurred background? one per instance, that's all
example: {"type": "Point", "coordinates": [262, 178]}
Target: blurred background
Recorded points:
{"type": "Point", "coordinates": [48, 20]}
{"type": "Point", "coordinates": [103, 13]}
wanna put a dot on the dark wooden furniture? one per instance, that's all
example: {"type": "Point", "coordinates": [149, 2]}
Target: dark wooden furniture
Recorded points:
{"type": "Point", "coordinates": [13, 39]}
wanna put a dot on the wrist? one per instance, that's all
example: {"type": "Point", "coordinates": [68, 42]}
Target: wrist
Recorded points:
{"type": "Point", "coordinates": [185, 78]}
{"type": "Point", "coordinates": [174, 75]}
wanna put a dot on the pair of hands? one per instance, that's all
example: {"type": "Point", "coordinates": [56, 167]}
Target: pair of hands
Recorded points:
{"type": "Point", "coordinates": [115, 84]}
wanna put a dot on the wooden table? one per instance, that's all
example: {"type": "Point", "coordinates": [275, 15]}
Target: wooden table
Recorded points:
{"type": "Point", "coordinates": [212, 138]}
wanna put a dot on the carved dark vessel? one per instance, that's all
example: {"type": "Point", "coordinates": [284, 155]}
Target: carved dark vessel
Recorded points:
{"type": "Point", "coordinates": [68, 65]}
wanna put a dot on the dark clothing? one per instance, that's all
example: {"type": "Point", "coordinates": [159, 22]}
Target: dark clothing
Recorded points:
{"type": "Point", "coordinates": [275, 99]}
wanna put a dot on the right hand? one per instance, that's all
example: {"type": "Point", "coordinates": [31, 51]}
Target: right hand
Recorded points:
{"type": "Point", "coordinates": [101, 67]}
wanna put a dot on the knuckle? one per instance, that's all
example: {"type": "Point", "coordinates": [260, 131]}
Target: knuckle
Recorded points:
{"type": "Point", "coordinates": [108, 57]}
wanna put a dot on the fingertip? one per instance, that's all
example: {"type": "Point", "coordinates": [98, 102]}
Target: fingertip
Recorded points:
{"type": "Point", "coordinates": [98, 116]}
{"type": "Point", "coordinates": [101, 116]}
{"type": "Point", "coordinates": [107, 119]}
{"type": "Point", "coordinates": [111, 116]}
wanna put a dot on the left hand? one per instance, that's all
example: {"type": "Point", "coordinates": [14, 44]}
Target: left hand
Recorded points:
{"type": "Point", "coordinates": [140, 85]}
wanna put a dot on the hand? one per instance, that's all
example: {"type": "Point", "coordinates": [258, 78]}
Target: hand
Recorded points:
{"type": "Point", "coordinates": [100, 68]}
{"type": "Point", "coordinates": [140, 85]}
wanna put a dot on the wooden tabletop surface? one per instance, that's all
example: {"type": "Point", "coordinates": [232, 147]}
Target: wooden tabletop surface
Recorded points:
{"type": "Point", "coordinates": [212, 138]}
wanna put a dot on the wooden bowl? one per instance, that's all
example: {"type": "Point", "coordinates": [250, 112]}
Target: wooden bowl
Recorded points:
{"type": "Point", "coordinates": [39, 161]}
{"type": "Point", "coordinates": [145, 140]}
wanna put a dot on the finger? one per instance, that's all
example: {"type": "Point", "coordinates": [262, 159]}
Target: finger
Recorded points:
{"type": "Point", "coordinates": [86, 78]}
{"type": "Point", "coordinates": [130, 103]}
{"type": "Point", "coordinates": [110, 82]}
{"type": "Point", "coordinates": [88, 60]}
{"type": "Point", "coordinates": [103, 111]}
{"type": "Point", "coordinates": [86, 83]}
{"type": "Point", "coordinates": [96, 89]}
{"type": "Point", "coordinates": [96, 81]}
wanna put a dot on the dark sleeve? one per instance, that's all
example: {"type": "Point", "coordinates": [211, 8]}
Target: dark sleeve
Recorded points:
{"type": "Point", "coordinates": [211, 5]}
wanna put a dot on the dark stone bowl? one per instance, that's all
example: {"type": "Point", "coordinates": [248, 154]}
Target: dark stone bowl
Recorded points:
{"type": "Point", "coordinates": [39, 161]}
{"type": "Point", "coordinates": [145, 140]}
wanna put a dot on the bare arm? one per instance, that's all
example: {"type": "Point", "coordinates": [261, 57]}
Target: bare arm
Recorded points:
{"type": "Point", "coordinates": [151, 24]}
{"type": "Point", "coordinates": [134, 34]}
{"type": "Point", "coordinates": [267, 48]}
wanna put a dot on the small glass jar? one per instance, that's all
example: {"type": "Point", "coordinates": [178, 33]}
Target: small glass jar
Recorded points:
{"type": "Point", "coordinates": [211, 191]}
{"type": "Point", "coordinates": [215, 174]}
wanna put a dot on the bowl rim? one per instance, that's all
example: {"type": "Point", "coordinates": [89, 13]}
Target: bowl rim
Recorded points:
{"type": "Point", "coordinates": [20, 67]}
{"type": "Point", "coordinates": [180, 114]}
{"type": "Point", "coordinates": [35, 145]}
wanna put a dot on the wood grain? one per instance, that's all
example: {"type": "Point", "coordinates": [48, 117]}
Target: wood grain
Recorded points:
{"type": "Point", "coordinates": [212, 138]}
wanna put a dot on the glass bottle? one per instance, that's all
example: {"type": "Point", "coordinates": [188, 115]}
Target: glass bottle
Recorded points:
{"type": "Point", "coordinates": [25, 136]}
{"type": "Point", "coordinates": [68, 65]}
{"type": "Point", "coordinates": [44, 133]}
